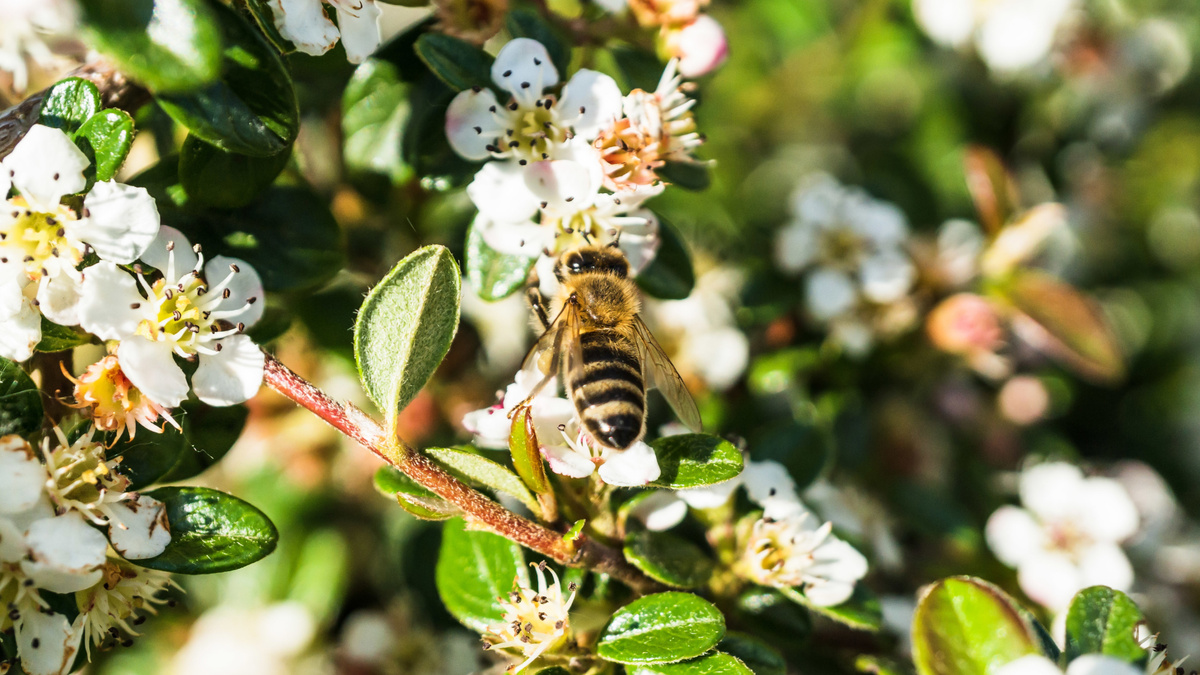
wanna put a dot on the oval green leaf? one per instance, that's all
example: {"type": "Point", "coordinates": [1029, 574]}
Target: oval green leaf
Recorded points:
{"type": "Point", "coordinates": [106, 139]}
{"type": "Point", "coordinates": [474, 569]}
{"type": "Point", "coordinates": [861, 612]}
{"type": "Point", "coordinates": [20, 402]}
{"type": "Point", "coordinates": [211, 532]}
{"type": "Point", "coordinates": [670, 275]}
{"type": "Point", "coordinates": [375, 111]}
{"type": "Point", "coordinates": [492, 274]}
{"type": "Point", "coordinates": [252, 108]}
{"type": "Point", "coordinates": [167, 45]}
{"type": "Point", "coordinates": [412, 496]}
{"type": "Point", "coordinates": [661, 628]}
{"type": "Point", "coordinates": [460, 64]}
{"type": "Point", "coordinates": [687, 175]}
{"type": "Point", "coordinates": [760, 657]}
{"type": "Point", "coordinates": [695, 460]}
{"type": "Point", "coordinates": [209, 433]}
{"type": "Point", "coordinates": [966, 626]}
{"type": "Point", "coordinates": [405, 327]}
{"type": "Point", "coordinates": [1104, 621]}
{"type": "Point", "coordinates": [68, 104]}
{"type": "Point", "coordinates": [484, 471]}
{"type": "Point", "coordinates": [668, 558]}
{"type": "Point", "coordinates": [56, 338]}
{"type": "Point", "coordinates": [709, 664]}
{"type": "Point", "coordinates": [218, 178]}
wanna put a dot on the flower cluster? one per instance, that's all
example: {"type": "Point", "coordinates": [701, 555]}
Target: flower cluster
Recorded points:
{"type": "Point", "coordinates": [59, 515]}
{"type": "Point", "coordinates": [569, 164]}
{"type": "Point", "coordinates": [28, 31]}
{"type": "Point", "coordinates": [852, 249]}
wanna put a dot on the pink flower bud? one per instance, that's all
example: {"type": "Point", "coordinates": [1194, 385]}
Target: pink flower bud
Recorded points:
{"type": "Point", "coordinates": [700, 46]}
{"type": "Point", "coordinates": [964, 324]}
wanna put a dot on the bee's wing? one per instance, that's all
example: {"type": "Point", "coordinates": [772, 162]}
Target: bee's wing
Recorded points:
{"type": "Point", "coordinates": [561, 338]}
{"type": "Point", "coordinates": [665, 377]}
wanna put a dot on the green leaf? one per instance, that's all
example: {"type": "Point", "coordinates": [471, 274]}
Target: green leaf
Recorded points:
{"type": "Point", "coordinates": [526, 456]}
{"type": "Point", "coordinates": [261, 12]}
{"type": "Point", "coordinates": [715, 663]}
{"type": "Point", "coordinates": [966, 626]}
{"type": "Point", "coordinates": [209, 433]}
{"type": "Point", "coordinates": [56, 338]}
{"type": "Point", "coordinates": [1102, 620]}
{"type": "Point", "coordinates": [412, 496]}
{"type": "Point", "coordinates": [695, 460]}
{"type": "Point", "coordinates": [760, 657]}
{"type": "Point", "coordinates": [106, 139]}
{"type": "Point", "coordinates": [770, 614]}
{"type": "Point", "coordinates": [68, 104]}
{"type": "Point", "coordinates": [218, 178]}
{"type": "Point", "coordinates": [670, 275]}
{"type": "Point", "coordinates": [375, 111]}
{"type": "Point", "coordinates": [252, 109]}
{"type": "Point", "coordinates": [148, 456]}
{"type": "Point", "coordinates": [405, 327]}
{"type": "Point", "coordinates": [687, 175]}
{"type": "Point", "coordinates": [527, 23]}
{"type": "Point", "coordinates": [473, 569]}
{"type": "Point", "coordinates": [20, 402]}
{"type": "Point", "coordinates": [460, 64]}
{"type": "Point", "coordinates": [639, 68]}
{"type": "Point", "coordinates": [167, 45]}
{"type": "Point", "coordinates": [661, 628]}
{"type": "Point", "coordinates": [861, 611]}
{"type": "Point", "coordinates": [668, 558]}
{"type": "Point", "coordinates": [211, 532]}
{"type": "Point", "coordinates": [492, 274]}
{"type": "Point", "coordinates": [486, 472]}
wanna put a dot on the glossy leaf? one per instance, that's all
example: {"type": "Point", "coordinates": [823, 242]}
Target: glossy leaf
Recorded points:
{"type": "Point", "coordinates": [661, 628]}
{"type": "Point", "coordinates": [670, 275]}
{"type": "Point", "coordinates": [211, 532]}
{"type": "Point", "coordinates": [526, 455]}
{"type": "Point", "coordinates": [473, 569]}
{"type": "Point", "coordinates": [861, 611]}
{"type": "Point", "coordinates": [375, 111]}
{"type": "Point", "coordinates": [759, 657]}
{"type": "Point", "coordinates": [219, 178]}
{"type": "Point", "coordinates": [68, 104]}
{"type": "Point", "coordinates": [20, 401]}
{"type": "Point", "coordinates": [106, 138]}
{"type": "Point", "coordinates": [668, 558]}
{"type": "Point", "coordinates": [264, 18]}
{"type": "Point", "coordinates": [209, 433]}
{"type": "Point", "coordinates": [405, 327]}
{"type": "Point", "coordinates": [639, 68]}
{"type": "Point", "coordinates": [492, 274]}
{"type": "Point", "coordinates": [687, 175]}
{"type": "Point", "coordinates": [412, 496]}
{"type": "Point", "coordinates": [966, 626]}
{"type": "Point", "coordinates": [56, 338]}
{"type": "Point", "coordinates": [486, 472]}
{"type": "Point", "coordinates": [715, 663]}
{"type": "Point", "coordinates": [460, 64]}
{"type": "Point", "coordinates": [252, 108]}
{"type": "Point", "coordinates": [167, 45]}
{"type": "Point", "coordinates": [1102, 620]}
{"type": "Point", "coordinates": [695, 460]}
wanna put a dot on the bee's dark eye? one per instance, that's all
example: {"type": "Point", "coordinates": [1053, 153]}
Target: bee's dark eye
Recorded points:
{"type": "Point", "coordinates": [575, 263]}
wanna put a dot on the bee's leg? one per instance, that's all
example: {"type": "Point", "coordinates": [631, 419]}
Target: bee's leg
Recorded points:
{"type": "Point", "coordinates": [538, 303]}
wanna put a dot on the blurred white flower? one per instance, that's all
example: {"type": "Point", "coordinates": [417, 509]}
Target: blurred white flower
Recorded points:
{"type": "Point", "coordinates": [244, 641]}
{"type": "Point", "coordinates": [700, 46]}
{"type": "Point", "coordinates": [709, 343]}
{"type": "Point", "coordinates": [26, 26]}
{"type": "Point", "coordinates": [306, 25]}
{"type": "Point", "coordinates": [503, 327]}
{"type": "Point", "coordinates": [1067, 535]}
{"type": "Point", "coordinates": [42, 240]}
{"type": "Point", "coordinates": [197, 310]}
{"type": "Point", "coordinates": [1008, 34]}
{"type": "Point", "coordinates": [535, 621]}
{"type": "Point", "coordinates": [1087, 664]}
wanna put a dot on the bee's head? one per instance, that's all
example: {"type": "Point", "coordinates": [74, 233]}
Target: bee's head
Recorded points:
{"type": "Point", "coordinates": [591, 258]}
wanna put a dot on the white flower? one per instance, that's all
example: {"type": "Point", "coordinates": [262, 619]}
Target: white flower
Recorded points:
{"type": "Point", "coordinates": [1009, 34]}
{"type": "Point", "coordinates": [853, 243]}
{"type": "Point", "coordinates": [567, 448]}
{"type": "Point", "coordinates": [197, 310]}
{"type": "Point", "coordinates": [705, 328]}
{"type": "Point", "coordinates": [534, 621]}
{"type": "Point", "coordinates": [796, 551]}
{"type": "Point", "coordinates": [43, 240]}
{"type": "Point", "coordinates": [239, 641]}
{"type": "Point", "coordinates": [1068, 535]}
{"type": "Point", "coordinates": [533, 125]}
{"type": "Point", "coordinates": [25, 28]}
{"type": "Point", "coordinates": [114, 403]}
{"type": "Point", "coordinates": [306, 25]}
{"type": "Point", "coordinates": [768, 484]}
{"type": "Point", "coordinates": [1087, 664]}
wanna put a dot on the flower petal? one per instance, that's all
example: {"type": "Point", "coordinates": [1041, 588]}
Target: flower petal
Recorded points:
{"type": "Point", "coordinates": [1105, 564]}
{"type": "Point", "coordinates": [837, 560]}
{"type": "Point", "coordinates": [20, 332]}
{"type": "Point", "coordinates": [829, 293]}
{"type": "Point", "coordinates": [524, 69]}
{"type": "Point", "coordinates": [305, 24]}
{"type": "Point", "coordinates": [360, 29]}
{"type": "Point", "coordinates": [499, 192]}
{"type": "Point", "coordinates": [46, 165]}
{"type": "Point", "coordinates": [47, 642]}
{"type": "Point", "coordinates": [1030, 664]}
{"type": "Point", "coordinates": [1098, 664]}
{"type": "Point", "coordinates": [565, 461]}
{"type": "Point", "coordinates": [122, 221]}
{"type": "Point", "coordinates": [1051, 490]}
{"type": "Point", "coordinates": [151, 367]}
{"type": "Point", "coordinates": [110, 306]}
{"type": "Point", "coordinates": [490, 426]}
{"type": "Point", "coordinates": [769, 480]}
{"type": "Point", "coordinates": [632, 467]}
{"type": "Point", "coordinates": [565, 185]}
{"type": "Point", "coordinates": [245, 288]}
{"type": "Point", "coordinates": [232, 375]}
{"type": "Point", "coordinates": [701, 46]}
{"type": "Point", "coordinates": [1050, 579]}
{"type": "Point", "coordinates": [796, 246]}
{"type": "Point", "coordinates": [828, 592]}
{"type": "Point", "coordinates": [887, 276]}
{"type": "Point", "coordinates": [65, 553]}
{"type": "Point", "coordinates": [523, 239]}
{"type": "Point", "coordinates": [660, 511]}
{"type": "Point", "coordinates": [591, 102]}
{"type": "Point", "coordinates": [1106, 512]}
{"type": "Point", "coordinates": [59, 296]}
{"type": "Point", "coordinates": [22, 475]}
{"type": "Point", "coordinates": [1014, 535]}
{"type": "Point", "coordinates": [471, 124]}
{"type": "Point", "coordinates": [711, 496]}
{"type": "Point", "coordinates": [170, 253]}
{"type": "Point", "coordinates": [138, 528]}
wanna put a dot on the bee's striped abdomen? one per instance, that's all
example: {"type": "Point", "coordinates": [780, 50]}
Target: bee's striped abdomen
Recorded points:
{"type": "Point", "coordinates": [610, 395]}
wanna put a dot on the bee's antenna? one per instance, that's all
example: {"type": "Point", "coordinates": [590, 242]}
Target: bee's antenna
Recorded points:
{"type": "Point", "coordinates": [586, 236]}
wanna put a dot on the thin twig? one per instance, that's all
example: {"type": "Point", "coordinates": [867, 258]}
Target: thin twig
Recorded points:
{"type": "Point", "coordinates": [480, 511]}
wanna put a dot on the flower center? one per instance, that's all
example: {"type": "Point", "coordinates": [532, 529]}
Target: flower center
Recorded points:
{"type": "Point", "coordinates": [535, 132]}
{"type": "Point", "coordinates": [38, 237]}
{"type": "Point", "coordinates": [534, 621]}
{"type": "Point", "coordinates": [80, 474]}
{"type": "Point", "coordinates": [841, 247]}
{"type": "Point", "coordinates": [114, 401]}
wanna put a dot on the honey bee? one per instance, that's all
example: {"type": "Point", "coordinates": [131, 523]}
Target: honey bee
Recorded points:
{"type": "Point", "coordinates": [603, 351]}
